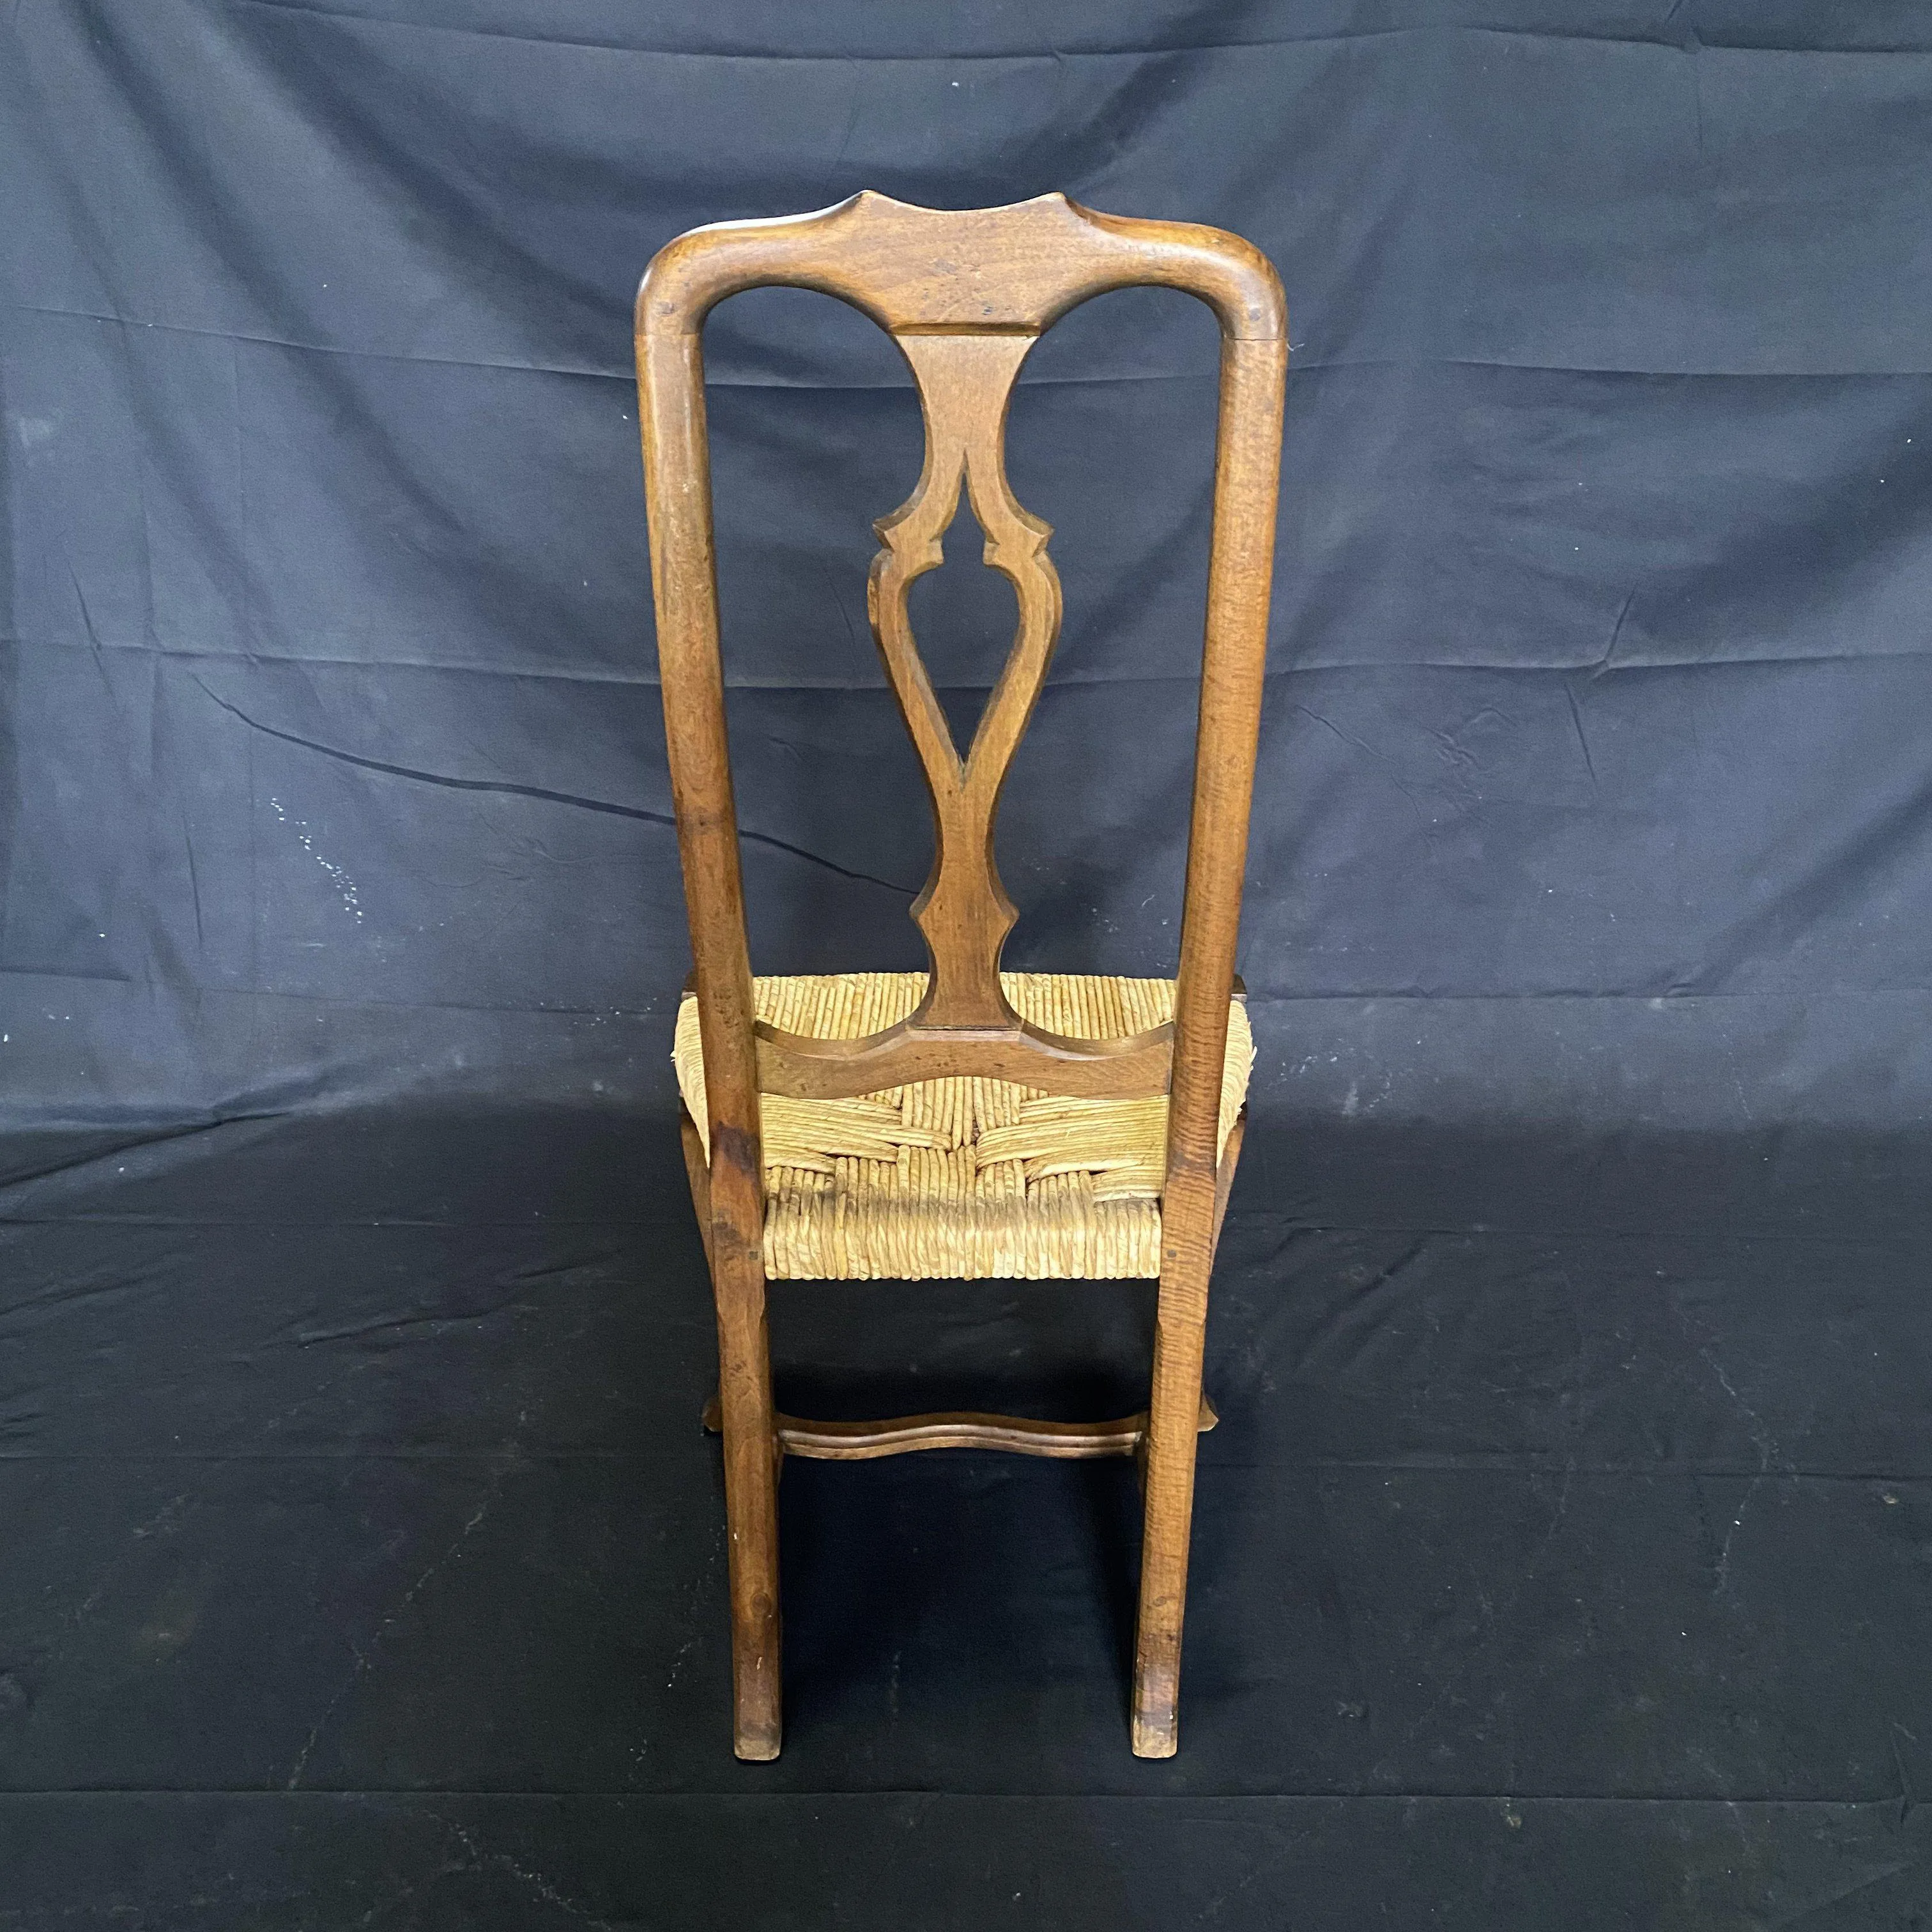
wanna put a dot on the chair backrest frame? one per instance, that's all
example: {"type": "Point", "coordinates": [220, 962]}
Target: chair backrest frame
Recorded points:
{"type": "Point", "coordinates": [965, 294]}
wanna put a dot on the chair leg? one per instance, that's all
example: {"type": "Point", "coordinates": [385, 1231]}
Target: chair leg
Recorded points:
{"type": "Point", "coordinates": [752, 1461]}
{"type": "Point", "coordinates": [1174, 1411]}
{"type": "Point", "coordinates": [750, 1509]}
{"type": "Point", "coordinates": [1169, 1510]}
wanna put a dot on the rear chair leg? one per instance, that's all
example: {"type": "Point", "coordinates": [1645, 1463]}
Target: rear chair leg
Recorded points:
{"type": "Point", "coordinates": [751, 1508]}
{"type": "Point", "coordinates": [1174, 1412]}
{"type": "Point", "coordinates": [1172, 1422]}
{"type": "Point", "coordinates": [750, 1466]}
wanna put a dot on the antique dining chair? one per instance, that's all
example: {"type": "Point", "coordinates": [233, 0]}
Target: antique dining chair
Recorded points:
{"type": "Point", "coordinates": [962, 1123]}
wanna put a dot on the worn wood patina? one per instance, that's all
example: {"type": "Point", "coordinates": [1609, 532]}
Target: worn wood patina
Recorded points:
{"type": "Point", "coordinates": [965, 294]}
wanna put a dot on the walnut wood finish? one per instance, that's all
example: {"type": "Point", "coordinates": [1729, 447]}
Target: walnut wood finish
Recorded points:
{"type": "Point", "coordinates": [964, 294]}
{"type": "Point", "coordinates": [1133, 1067]}
{"type": "Point", "coordinates": [959, 1429]}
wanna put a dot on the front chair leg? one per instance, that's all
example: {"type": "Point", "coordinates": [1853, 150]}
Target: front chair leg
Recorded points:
{"type": "Point", "coordinates": [1177, 1411]}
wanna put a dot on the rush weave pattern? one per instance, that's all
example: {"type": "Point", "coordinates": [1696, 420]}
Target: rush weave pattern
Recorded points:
{"type": "Point", "coordinates": [963, 1179]}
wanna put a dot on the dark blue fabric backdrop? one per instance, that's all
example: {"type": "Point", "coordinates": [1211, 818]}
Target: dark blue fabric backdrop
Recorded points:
{"type": "Point", "coordinates": [1599, 648]}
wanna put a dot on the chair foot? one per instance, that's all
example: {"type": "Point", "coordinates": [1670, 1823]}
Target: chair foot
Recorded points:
{"type": "Point", "coordinates": [758, 1746]}
{"type": "Point", "coordinates": [1155, 1737]}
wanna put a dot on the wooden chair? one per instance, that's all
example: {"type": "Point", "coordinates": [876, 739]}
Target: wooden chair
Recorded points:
{"type": "Point", "coordinates": [964, 1122]}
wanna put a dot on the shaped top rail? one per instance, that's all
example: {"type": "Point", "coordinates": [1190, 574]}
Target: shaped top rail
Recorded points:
{"type": "Point", "coordinates": [1011, 270]}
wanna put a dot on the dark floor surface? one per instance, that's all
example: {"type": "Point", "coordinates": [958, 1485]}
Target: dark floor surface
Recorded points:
{"type": "Point", "coordinates": [1564, 1557]}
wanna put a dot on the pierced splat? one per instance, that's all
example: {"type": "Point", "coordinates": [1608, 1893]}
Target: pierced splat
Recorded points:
{"type": "Point", "coordinates": [965, 380]}
{"type": "Point", "coordinates": [965, 384]}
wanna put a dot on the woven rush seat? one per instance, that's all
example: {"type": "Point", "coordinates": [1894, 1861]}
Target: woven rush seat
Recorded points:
{"type": "Point", "coordinates": [962, 1179]}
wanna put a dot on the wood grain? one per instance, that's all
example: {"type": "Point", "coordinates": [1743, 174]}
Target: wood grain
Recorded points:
{"type": "Point", "coordinates": [961, 1429]}
{"type": "Point", "coordinates": [965, 383]}
{"type": "Point", "coordinates": [964, 294]}
{"type": "Point", "coordinates": [1134, 1066]}
{"type": "Point", "coordinates": [1239, 570]}
{"type": "Point", "coordinates": [982, 271]}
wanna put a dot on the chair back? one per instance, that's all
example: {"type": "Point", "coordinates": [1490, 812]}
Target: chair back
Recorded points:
{"type": "Point", "coordinates": [965, 294]}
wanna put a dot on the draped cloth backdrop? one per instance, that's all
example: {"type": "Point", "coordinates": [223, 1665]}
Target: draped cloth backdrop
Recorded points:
{"type": "Point", "coordinates": [1570, 1338]}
